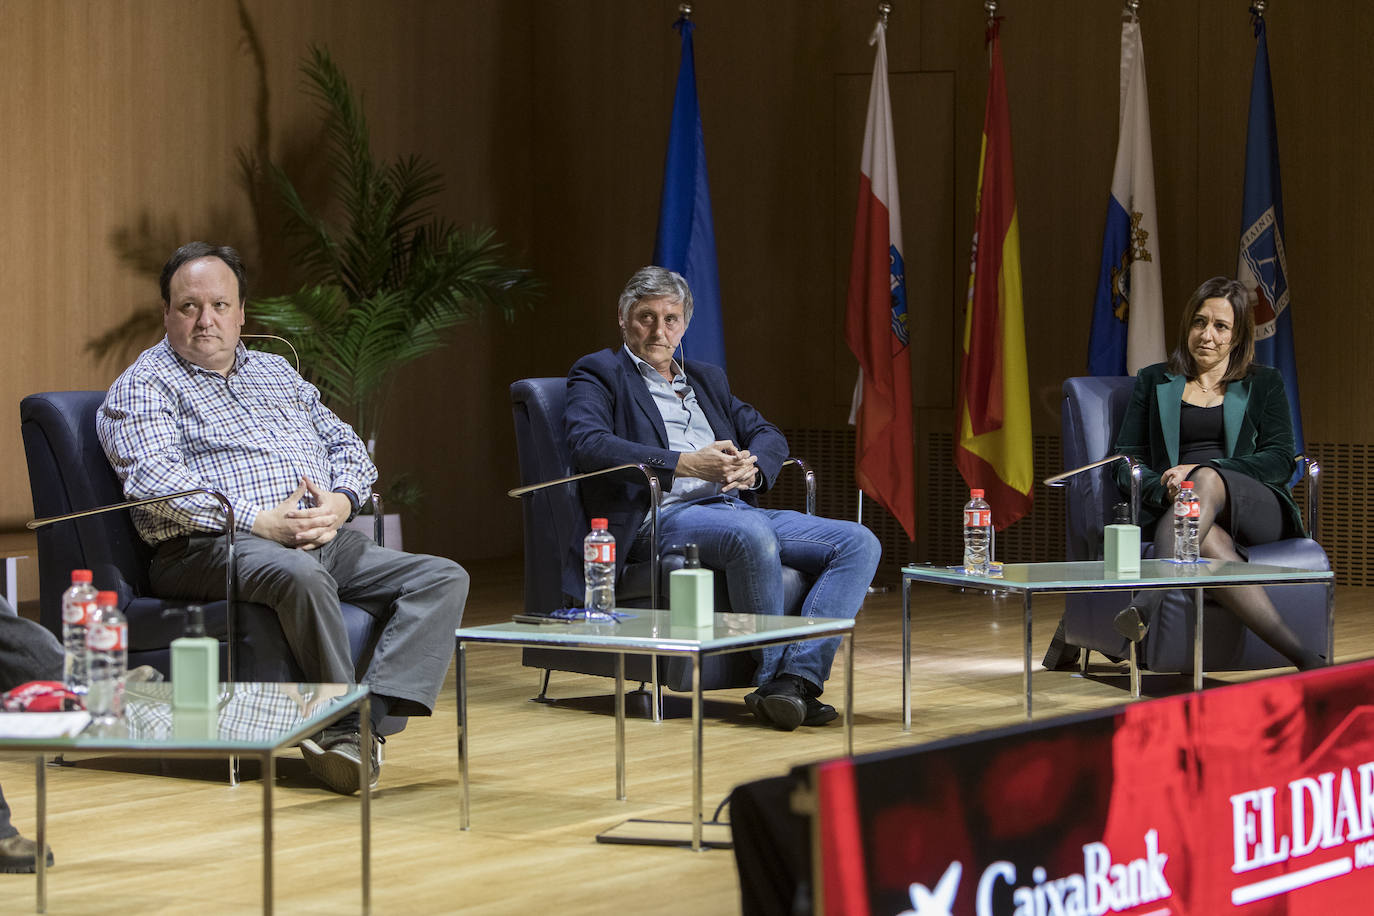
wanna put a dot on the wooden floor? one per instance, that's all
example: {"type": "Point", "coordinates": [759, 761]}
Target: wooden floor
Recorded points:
{"type": "Point", "coordinates": [137, 837]}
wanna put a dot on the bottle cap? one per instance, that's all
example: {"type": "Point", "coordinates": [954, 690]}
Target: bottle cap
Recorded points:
{"type": "Point", "coordinates": [692, 557]}
{"type": "Point", "coordinates": [600, 524]}
{"type": "Point", "coordinates": [1186, 485]}
{"type": "Point", "coordinates": [976, 493]}
{"type": "Point", "coordinates": [81, 575]}
{"type": "Point", "coordinates": [107, 599]}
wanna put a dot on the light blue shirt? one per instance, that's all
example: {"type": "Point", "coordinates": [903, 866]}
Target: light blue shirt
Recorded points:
{"type": "Point", "coordinates": [688, 429]}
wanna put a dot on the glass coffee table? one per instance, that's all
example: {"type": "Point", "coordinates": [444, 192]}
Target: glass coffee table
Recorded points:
{"type": "Point", "coordinates": [254, 720]}
{"type": "Point", "coordinates": [648, 632]}
{"type": "Point", "coordinates": [1030, 579]}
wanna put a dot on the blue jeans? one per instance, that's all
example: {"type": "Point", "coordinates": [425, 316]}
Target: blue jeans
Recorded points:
{"type": "Point", "coordinates": [752, 545]}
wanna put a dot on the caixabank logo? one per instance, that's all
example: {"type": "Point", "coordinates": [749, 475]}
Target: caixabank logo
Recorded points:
{"type": "Point", "coordinates": [1105, 885]}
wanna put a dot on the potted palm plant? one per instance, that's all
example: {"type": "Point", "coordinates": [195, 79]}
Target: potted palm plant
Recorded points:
{"type": "Point", "coordinates": [384, 283]}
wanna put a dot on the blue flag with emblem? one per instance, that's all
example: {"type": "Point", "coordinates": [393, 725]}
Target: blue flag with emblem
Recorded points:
{"type": "Point", "coordinates": [686, 240]}
{"type": "Point", "coordinates": [1263, 265]}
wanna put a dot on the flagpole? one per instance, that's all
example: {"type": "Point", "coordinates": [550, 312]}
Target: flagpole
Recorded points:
{"type": "Point", "coordinates": [1257, 7]}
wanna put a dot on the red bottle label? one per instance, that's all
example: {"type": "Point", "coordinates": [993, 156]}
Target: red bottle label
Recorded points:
{"type": "Point", "coordinates": [599, 553]}
{"type": "Point", "coordinates": [105, 638]}
{"type": "Point", "coordinates": [77, 613]}
{"type": "Point", "coordinates": [977, 518]}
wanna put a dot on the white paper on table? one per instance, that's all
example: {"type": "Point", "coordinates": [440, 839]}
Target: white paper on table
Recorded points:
{"type": "Point", "coordinates": [43, 724]}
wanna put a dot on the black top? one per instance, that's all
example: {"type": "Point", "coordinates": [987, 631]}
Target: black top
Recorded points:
{"type": "Point", "coordinates": [1201, 434]}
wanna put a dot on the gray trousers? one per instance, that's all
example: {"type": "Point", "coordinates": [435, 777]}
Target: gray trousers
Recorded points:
{"type": "Point", "coordinates": [28, 651]}
{"type": "Point", "coordinates": [419, 597]}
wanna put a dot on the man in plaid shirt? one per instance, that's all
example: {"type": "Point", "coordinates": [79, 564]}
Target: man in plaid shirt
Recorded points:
{"type": "Point", "coordinates": [198, 409]}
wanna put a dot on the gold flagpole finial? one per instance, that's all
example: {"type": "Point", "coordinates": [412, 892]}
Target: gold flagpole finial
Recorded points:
{"type": "Point", "coordinates": [1257, 7]}
{"type": "Point", "coordinates": [1133, 8]}
{"type": "Point", "coordinates": [884, 11]}
{"type": "Point", "coordinates": [685, 10]}
{"type": "Point", "coordinates": [991, 7]}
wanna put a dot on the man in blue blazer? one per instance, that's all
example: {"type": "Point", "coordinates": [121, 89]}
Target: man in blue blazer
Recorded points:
{"type": "Point", "coordinates": [639, 404]}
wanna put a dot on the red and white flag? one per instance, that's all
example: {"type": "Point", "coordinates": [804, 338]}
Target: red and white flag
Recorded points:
{"type": "Point", "coordinates": [876, 316]}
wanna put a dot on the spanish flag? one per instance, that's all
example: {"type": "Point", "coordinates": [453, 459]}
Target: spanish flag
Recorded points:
{"type": "Point", "coordinates": [993, 447]}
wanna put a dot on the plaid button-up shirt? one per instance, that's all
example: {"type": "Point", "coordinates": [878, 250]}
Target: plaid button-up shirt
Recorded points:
{"type": "Point", "coordinates": [168, 425]}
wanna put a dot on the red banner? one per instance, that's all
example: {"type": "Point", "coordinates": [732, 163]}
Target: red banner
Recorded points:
{"type": "Point", "coordinates": [1256, 798]}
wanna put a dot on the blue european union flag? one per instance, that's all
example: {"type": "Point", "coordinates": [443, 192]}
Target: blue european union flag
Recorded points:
{"type": "Point", "coordinates": [686, 240]}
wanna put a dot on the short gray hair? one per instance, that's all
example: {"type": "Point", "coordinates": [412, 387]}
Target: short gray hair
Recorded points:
{"type": "Point", "coordinates": [656, 283]}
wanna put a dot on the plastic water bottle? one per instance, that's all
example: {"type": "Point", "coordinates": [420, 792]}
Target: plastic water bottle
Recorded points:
{"type": "Point", "coordinates": [1186, 513]}
{"type": "Point", "coordinates": [598, 566]}
{"type": "Point", "coordinates": [977, 534]}
{"type": "Point", "coordinates": [78, 602]}
{"type": "Point", "coordinates": [107, 659]}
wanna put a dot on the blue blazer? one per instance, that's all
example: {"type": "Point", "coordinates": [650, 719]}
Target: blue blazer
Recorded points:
{"type": "Point", "coordinates": [611, 419]}
{"type": "Point", "coordinates": [1259, 435]}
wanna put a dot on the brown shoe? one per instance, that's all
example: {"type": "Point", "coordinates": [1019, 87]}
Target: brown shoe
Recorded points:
{"type": "Point", "coordinates": [17, 855]}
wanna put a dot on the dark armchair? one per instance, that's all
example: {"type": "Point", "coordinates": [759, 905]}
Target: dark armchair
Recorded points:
{"type": "Point", "coordinates": [554, 519]}
{"type": "Point", "coordinates": [68, 473]}
{"type": "Point", "coordinates": [1092, 413]}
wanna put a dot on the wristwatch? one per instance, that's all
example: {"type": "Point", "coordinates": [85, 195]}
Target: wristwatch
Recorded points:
{"type": "Point", "coordinates": [353, 503]}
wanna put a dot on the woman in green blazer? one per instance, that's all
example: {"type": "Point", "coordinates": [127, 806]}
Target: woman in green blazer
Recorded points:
{"type": "Point", "coordinates": [1213, 416]}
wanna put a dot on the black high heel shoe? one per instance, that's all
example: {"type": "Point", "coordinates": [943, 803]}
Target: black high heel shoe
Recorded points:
{"type": "Point", "coordinates": [1130, 624]}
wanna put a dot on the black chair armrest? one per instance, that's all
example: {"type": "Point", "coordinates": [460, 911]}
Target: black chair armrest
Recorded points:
{"type": "Point", "coordinates": [1060, 480]}
{"type": "Point", "coordinates": [36, 523]}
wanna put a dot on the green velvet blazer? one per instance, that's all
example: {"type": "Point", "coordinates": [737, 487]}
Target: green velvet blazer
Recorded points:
{"type": "Point", "coordinates": [1259, 435]}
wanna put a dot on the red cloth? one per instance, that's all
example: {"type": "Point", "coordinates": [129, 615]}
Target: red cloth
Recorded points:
{"type": "Point", "coordinates": [40, 696]}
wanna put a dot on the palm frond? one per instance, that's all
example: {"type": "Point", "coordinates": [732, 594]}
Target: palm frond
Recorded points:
{"type": "Point", "coordinates": [384, 284]}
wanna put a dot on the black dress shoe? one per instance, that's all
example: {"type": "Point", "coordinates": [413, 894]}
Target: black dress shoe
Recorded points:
{"type": "Point", "coordinates": [818, 713]}
{"type": "Point", "coordinates": [780, 703]}
{"type": "Point", "coordinates": [754, 703]}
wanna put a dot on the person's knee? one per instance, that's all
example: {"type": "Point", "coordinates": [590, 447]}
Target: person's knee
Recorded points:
{"type": "Point", "coordinates": [859, 543]}
{"type": "Point", "coordinates": [454, 578]}
{"type": "Point", "coordinates": [868, 546]}
{"type": "Point", "coordinates": [1208, 485]}
{"type": "Point", "coordinates": [751, 535]}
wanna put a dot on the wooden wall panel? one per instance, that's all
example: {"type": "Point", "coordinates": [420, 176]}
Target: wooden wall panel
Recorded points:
{"type": "Point", "coordinates": [549, 120]}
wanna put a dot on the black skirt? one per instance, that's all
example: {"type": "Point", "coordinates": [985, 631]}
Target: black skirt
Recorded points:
{"type": "Point", "coordinates": [1253, 513]}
